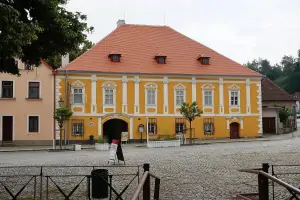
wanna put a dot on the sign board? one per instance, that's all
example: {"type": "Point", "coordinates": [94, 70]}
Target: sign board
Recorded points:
{"type": "Point", "coordinates": [113, 150]}
{"type": "Point", "coordinates": [91, 123]}
{"type": "Point", "coordinates": [124, 137]}
{"type": "Point", "coordinates": [57, 134]}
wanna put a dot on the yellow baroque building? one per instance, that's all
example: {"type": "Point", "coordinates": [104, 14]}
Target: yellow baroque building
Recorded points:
{"type": "Point", "coordinates": [139, 75]}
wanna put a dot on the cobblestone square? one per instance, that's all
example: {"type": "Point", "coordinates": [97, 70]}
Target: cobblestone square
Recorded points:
{"type": "Point", "coordinates": [190, 172]}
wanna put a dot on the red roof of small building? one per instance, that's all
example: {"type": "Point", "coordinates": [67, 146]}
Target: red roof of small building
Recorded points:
{"type": "Point", "coordinates": [138, 45]}
{"type": "Point", "coordinates": [272, 92]}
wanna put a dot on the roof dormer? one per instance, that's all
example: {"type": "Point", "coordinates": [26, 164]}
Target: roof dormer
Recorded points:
{"type": "Point", "coordinates": [160, 59]}
{"type": "Point", "coordinates": [115, 57]}
{"type": "Point", "coordinates": [204, 60]}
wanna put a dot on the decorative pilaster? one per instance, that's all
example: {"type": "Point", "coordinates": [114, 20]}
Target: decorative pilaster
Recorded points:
{"type": "Point", "coordinates": [221, 95]}
{"type": "Point", "coordinates": [131, 128]}
{"type": "Point", "coordinates": [99, 126]}
{"type": "Point", "coordinates": [94, 94]}
{"type": "Point", "coordinates": [136, 95]}
{"type": "Point", "coordinates": [259, 109]}
{"type": "Point", "coordinates": [165, 81]}
{"type": "Point", "coordinates": [124, 94]}
{"type": "Point", "coordinates": [248, 97]}
{"type": "Point", "coordinates": [194, 89]}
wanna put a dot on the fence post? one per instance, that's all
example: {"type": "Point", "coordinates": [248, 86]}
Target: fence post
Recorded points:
{"type": "Point", "coordinates": [263, 183]}
{"type": "Point", "coordinates": [146, 187]}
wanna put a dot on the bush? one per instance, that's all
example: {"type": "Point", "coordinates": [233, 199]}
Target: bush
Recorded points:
{"type": "Point", "coordinates": [284, 114]}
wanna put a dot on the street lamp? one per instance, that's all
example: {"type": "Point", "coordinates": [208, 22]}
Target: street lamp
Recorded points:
{"type": "Point", "coordinates": [61, 102]}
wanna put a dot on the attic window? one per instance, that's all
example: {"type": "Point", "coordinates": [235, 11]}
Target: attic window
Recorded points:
{"type": "Point", "coordinates": [114, 57]}
{"type": "Point", "coordinates": [204, 60]}
{"type": "Point", "coordinates": [161, 59]}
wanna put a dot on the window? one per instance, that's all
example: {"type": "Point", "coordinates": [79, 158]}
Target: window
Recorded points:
{"type": "Point", "coordinates": [109, 97]}
{"type": "Point", "coordinates": [204, 60]}
{"type": "Point", "coordinates": [7, 89]}
{"type": "Point", "coordinates": [179, 97]}
{"type": "Point", "coordinates": [152, 126]}
{"type": "Point", "coordinates": [28, 67]}
{"type": "Point", "coordinates": [151, 97]}
{"type": "Point", "coordinates": [77, 127]}
{"type": "Point", "coordinates": [161, 59]}
{"type": "Point", "coordinates": [179, 125]}
{"type": "Point", "coordinates": [33, 125]}
{"type": "Point", "coordinates": [115, 57]}
{"type": "Point", "coordinates": [34, 90]}
{"type": "Point", "coordinates": [208, 124]}
{"type": "Point", "coordinates": [234, 98]}
{"type": "Point", "coordinates": [208, 98]}
{"type": "Point", "coordinates": [77, 96]}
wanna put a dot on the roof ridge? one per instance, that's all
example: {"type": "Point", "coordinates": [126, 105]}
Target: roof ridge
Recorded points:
{"type": "Point", "coordinates": [283, 90]}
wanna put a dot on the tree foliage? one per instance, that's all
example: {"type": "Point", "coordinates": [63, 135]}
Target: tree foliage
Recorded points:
{"type": "Point", "coordinates": [61, 115]}
{"type": "Point", "coordinates": [38, 29]}
{"type": "Point", "coordinates": [190, 111]}
{"type": "Point", "coordinates": [284, 114]}
{"type": "Point", "coordinates": [286, 74]}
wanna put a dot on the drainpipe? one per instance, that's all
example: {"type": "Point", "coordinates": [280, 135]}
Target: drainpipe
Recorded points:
{"type": "Point", "coordinates": [54, 106]}
{"type": "Point", "coordinates": [66, 104]}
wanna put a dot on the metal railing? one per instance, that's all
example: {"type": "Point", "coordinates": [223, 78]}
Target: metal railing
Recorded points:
{"type": "Point", "coordinates": [52, 182]}
{"type": "Point", "coordinates": [144, 186]}
{"type": "Point", "coordinates": [263, 183]}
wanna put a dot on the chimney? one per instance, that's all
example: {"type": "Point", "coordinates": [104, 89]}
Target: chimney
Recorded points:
{"type": "Point", "coordinates": [64, 60]}
{"type": "Point", "coordinates": [120, 22]}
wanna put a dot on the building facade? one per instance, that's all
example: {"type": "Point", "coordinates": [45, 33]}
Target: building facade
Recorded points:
{"type": "Point", "coordinates": [26, 106]}
{"type": "Point", "coordinates": [140, 75]}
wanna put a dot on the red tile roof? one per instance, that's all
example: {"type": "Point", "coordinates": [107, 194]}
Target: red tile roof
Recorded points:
{"type": "Point", "coordinates": [272, 92]}
{"type": "Point", "coordinates": [138, 45]}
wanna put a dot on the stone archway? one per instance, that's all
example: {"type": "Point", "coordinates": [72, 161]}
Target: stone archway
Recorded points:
{"type": "Point", "coordinates": [113, 128]}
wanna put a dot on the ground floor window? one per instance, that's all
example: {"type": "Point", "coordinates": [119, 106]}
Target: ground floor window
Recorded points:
{"type": "Point", "coordinates": [77, 127]}
{"type": "Point", "coordinates": [179, 125]}
{"type": "Point", "coordinates": [208, 124]}
{"type": "Point", "coordinates": [33, 124]}
{"type": "Point", "coordinates": [152, 126]}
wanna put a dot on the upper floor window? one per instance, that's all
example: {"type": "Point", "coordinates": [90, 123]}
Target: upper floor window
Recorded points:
{"type": "Point", "coordinates": [179, 92]}
{"type": "Point", "coordinates": [109, 93]}
{"type": "Point", "coordinates": [109, 97]}
{"type": "Point", "coordinates": [208, 98]}
{"type": "Point", "coordinates": [33, 124]}
{"type": "Point", "coordinates": [77, 95]}
{"type": "Point", "coordinates": [33, 90]}
{"type": "Point", "coordinates": [151, 94]}
{"type": "Point", "coordinates": [234, 98]}
{"type": "Point", "coordinates": [7, 89]}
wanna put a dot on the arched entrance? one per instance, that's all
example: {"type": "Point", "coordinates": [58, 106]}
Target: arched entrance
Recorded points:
{"type": "Point", "coordinates": [113, 128]}
{"type": "Point", "coordinates": [234, 130]}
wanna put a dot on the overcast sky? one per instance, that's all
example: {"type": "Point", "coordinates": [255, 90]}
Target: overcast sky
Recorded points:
{"type": "Point", "coordinates": [239, 29]}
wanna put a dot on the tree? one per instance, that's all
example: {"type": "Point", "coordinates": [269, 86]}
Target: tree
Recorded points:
{"type": "Point", "coordinates": [284, 114]}
{"type": "Point", "coordinates": [36, 29]}
{"type": "Point", "coordinates": [190, 112]}
{"type": "Point", "coordinates": [61, 115]}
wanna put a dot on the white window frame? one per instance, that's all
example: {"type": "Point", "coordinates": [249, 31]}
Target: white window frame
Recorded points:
{"type": "Point", "coordinates": [109, 86]}
{"type": "Point", "coordinates": [234, 88]}
{"type": "Point", "coordinates": [14, 88]}
{"type": "Point", "coordinates": [39, 124]}
{"type": "Point", "coordinates": [40, 88]}
{"type": "Point", "coordinates": [179, 87]}
{"type": "Point", "coordinates": [78, 85]}
{"type": "Point", "coordinates": [154, 87]}
{"type": "Point", "coordinates": [208, 88]}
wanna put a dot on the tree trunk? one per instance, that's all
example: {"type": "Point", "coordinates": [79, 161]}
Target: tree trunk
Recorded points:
{"type": "Point", "coordinates": [60, 135]}
{"type": "Point", "coordinates": [191, 132]}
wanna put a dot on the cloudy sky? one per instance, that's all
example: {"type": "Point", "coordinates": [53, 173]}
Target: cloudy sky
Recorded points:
{"type": "Point", "coordinates": [239, 29]}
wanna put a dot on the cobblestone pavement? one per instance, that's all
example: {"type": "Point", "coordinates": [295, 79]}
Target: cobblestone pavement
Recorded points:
{"type": "Point", "coordinates": [190, 172]}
